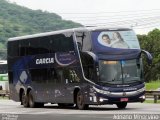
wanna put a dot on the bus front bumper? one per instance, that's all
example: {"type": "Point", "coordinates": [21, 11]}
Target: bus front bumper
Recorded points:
{"type": "Point", "coordinates": [103, 99]}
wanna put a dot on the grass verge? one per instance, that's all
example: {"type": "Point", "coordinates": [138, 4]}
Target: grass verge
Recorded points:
{"type": "Point", "coordinates": [4, 98]}
{"type": "Point", "coordinates": [153, 85]}
{"type": "Point", "coordinates": [152, 101]}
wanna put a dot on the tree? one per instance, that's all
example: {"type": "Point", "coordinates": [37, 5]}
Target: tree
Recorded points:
{"type": "Point", "coordinates": [17, 21]}
{"type": "Point", "coordinates": [151, 43]}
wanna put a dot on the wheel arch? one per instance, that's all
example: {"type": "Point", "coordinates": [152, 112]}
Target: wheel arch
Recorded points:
{"type": "Point", "coordinates": [20, 94]}
{"type": "Point", "coordinates": [76, 90]}
{"type": "Point", "coordinates": [28, 90]}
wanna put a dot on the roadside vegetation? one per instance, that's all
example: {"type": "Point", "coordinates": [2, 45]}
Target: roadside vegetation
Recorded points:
{"type": "Point", "coordinates": [17, 20]}
{"type": "Point", "coordinates": [4, 98]}
{"type": "Point", "coordinates": [153, 85]}
{"type": "Point", "coordinates": [151, 43]}
{"type": "Point", "coordinates": [152, 101]}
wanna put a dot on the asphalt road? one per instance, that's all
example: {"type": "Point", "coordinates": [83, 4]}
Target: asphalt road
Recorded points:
{"type": "Point", "coordinates": [10, 110]}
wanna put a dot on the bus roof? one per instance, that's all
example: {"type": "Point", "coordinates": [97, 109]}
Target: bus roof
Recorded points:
{"type": "Point", "coordinates": [64, 31]}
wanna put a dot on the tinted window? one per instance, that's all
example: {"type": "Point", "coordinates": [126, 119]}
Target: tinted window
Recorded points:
{"type": "Point", "coordinates": [41, 45]}
{"type": "Point", "coordinates": [44, 45]}
{"type": "Point", "coordinates": [61, 43]}
{"type": "Point", "coordinates": [23, 45]}
{"type": "Point", "coordinates": [60, 76]}
{"type": "Point", "coordinates": [33, 46]}
{"type": "Point", "coordinates": [13, 48]}
{"type": "Point", "coordinates": [39, 75]}
{"type": "Point", "coordinates": [83, 39]}
{"type": "Point", "coordinates": [70, 76]}
{"type": "Point", "coordinates": [88, 65]}
{"type": "Point", "coordinates": [52, 75]}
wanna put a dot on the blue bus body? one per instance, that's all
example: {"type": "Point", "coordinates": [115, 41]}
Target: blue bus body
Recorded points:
{"type": "Point", "coordinates": [76, 67]}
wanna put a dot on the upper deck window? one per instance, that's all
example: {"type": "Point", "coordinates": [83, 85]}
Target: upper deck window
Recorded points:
{"type": "Point", "coordinates": [41, 45]}
{"type": "Point", "coordinates": [61, 43]}
{"type": "Point", "coordinates": [84, 41]}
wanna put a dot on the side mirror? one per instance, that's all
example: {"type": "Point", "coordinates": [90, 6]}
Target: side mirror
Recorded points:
{"type": "Point", "coordinates": [148, 56]}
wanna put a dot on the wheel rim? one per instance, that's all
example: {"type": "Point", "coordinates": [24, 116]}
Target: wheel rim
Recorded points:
{"type": "Point", "coordinates": [24, 100]}
{"type": "Point", "coordinates": [80, 100]}
{"type": "Point", "coordinates": [31, 100]}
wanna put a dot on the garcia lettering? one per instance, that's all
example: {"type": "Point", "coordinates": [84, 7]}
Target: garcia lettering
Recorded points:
{"type": "Point", "coordinates": [44, 61]}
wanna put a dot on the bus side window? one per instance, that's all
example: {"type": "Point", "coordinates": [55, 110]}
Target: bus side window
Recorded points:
{"type": "Point", "coordinates": [61, 43]}
{"type": "Point", "coordinates": [13, 49]}
{"type": "Point", "coordinates": [59, 76]}
{"type": "Point", "coordinates": [44, 45]}
{"type": "Point", "coordinates": [74, 76]}
{"type": "Point", "coordinates": [52, 75]}
{"type": "Point", "coordinates": [33, 47]}
{"type": "Point", "coordinates": [39, 75]}
{"type": "Point", "coordinates": [79, 46]}
{"type": "Point", "coordinates": [23, 45]}
{"type": "Point", "coordinates": [88, 65]}
{"type": "Point", "coordinates": [83, 38]}
{"type": "Point", "coordinates": [70, 76]}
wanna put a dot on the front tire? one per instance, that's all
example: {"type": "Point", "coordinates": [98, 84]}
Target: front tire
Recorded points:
{"type": "Point", "coordinates": [122, 105]}
{"type": "Point", "coordinates": [31, 100]}
{"type": "Point", "coordinates": [24, 100]}
{"type": "Point", "coordinates": [80, 101]}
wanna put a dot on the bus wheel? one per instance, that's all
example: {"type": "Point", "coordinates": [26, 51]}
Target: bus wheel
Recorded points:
{"type": "Point", "coordinates": [24, 100]}
{"type": "Point", "coordinates": [122, 105]}
{"type": "Point", "coordinates": [31, 101]}
{"type": "Point", "coordinates": [80, 101]}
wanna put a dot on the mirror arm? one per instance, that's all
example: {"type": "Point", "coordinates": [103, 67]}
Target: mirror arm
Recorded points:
{"type": "Point", "coordinates": [148, 55]}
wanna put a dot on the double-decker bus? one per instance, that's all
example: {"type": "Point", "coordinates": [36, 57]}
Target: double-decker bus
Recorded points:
{"type": "Point", "coordinates": [82, 66]}
{"type": "Point", "coordinates": [4, 76]}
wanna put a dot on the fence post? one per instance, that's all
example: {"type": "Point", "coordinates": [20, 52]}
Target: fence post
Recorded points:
{"type": "Point", "coordinates": [155, 98]}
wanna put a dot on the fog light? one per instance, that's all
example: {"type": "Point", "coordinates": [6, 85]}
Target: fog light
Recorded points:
{"type": "Point", "coordinates": [102, 99]}
{"type": "Point", "coordinates": [143, 97]}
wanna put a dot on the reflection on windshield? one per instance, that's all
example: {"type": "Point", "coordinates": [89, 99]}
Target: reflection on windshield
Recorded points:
{"type": "Point", "coordinates": [119, 72]}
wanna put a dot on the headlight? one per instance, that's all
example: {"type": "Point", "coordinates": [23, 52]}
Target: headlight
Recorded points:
{"type": "Point", "coordinates": [141, 90]}
{"type": "Point", "coordinates": [101, 91]}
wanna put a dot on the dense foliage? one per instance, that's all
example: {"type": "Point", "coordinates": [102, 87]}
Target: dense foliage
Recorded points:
{"type": "Point", "coordinates": [151, 43]}
{"type": "Point", "coordinates": [17, 20]}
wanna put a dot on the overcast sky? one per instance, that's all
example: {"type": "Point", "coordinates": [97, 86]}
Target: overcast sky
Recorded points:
{"type": "Point", "coordinates": [145, 14]}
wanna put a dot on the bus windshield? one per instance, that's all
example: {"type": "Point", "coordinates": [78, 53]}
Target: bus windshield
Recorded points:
{"type": "Point", "coordinates": [120, 72]}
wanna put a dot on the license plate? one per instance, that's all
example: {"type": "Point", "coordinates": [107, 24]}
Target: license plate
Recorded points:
{"type": "Point", "coordinates": [124, 99]}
